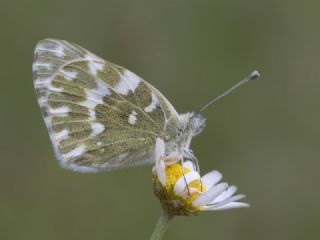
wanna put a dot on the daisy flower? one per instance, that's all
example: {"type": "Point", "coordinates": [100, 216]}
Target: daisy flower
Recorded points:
{"type": "Point", "coordinates": [182, 191]}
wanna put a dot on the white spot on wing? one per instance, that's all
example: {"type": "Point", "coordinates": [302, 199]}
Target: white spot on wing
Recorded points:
{"type": "Point", "coordinates": [94, 67]}
{"type": "Point", "coordinates": [42, 82]}
{"type": "Point", "coordinates": [61, 111]}
{"type": "Point", "coordinates": [128, 81]}
{"type": "Point", "coordinates": [91, 57]}
{"type": "Point", "coordinates": [54, 89]}
{"type": "Point", "coordinates": [62, 135]}
{"type": "Point", "coordinates": [75, 152]}
{"type": "Point", "coordinates": [153, 104]}
{"type": "Point", "coordinates": [42, 101]}
{"type": "Point", "coordinates": [132, 118]}
{"type": "Point", "coordinates": [37, 65]}
{"type": "Point", "coordinates": [69, 75]}
{"type": "Point", "coordinates": [92, 115]}
{"type": "Point", "coordinates": [58, 51]}
{"type": "Point", "coordinates": [95, 97]}
{"type": "Point", "coordinates": [97, 128]}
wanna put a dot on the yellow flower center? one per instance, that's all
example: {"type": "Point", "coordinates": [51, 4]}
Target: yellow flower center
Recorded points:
{"type": "Point", "coordinates": [173, 173]}
{"type": "Point", "coordinates": [169, 198]}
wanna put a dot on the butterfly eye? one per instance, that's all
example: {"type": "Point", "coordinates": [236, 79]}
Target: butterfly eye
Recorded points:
{"type": "Point", "coordinates": [180, 130]}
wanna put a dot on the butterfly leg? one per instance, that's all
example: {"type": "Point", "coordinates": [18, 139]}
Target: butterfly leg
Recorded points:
{"type": "Point", "coordinates": [196, 163]}
{"type": "Point", "coordinates": [184, 177]}
{"type": "Point", "coordinates": [189, 154]}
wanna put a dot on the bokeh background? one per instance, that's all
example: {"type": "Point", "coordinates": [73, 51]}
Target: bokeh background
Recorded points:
{"type": "Point", "coordinates": [264, 137]}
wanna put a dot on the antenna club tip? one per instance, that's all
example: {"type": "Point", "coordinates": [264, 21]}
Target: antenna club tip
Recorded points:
{"type": "Point", "coordinates": [254, 74]}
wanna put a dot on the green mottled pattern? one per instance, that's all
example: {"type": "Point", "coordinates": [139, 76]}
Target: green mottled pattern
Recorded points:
{"type": "Point", "coordinates": [120, 144]}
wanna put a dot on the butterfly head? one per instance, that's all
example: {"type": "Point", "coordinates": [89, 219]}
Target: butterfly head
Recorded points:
{"type": "Point", "coordinates": [197, 123]}
{"type": "Point", "coordinates": [191, 124]}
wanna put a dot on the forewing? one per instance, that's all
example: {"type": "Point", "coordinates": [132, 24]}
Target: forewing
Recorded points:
{"type": "Point", "coordinates": [100, 116]}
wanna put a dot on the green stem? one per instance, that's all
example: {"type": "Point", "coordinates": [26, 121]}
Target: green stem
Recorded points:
{"type": "Point", "coordinates": [162, 225]}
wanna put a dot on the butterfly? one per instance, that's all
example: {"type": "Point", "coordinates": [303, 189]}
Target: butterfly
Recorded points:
{"type": "Point", "coordinates": [101, 116]}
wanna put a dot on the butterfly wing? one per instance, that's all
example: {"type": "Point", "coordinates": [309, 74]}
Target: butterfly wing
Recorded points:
{"type": "Point", "coordinates": [100, 116]}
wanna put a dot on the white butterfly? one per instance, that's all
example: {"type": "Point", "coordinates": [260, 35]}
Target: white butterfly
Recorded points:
{"type": "Point", "coordinates": [101, 116]}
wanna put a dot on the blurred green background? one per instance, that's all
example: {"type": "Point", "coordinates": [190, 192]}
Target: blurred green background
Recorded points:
{"type": "Point", "coordinates": [264, 137]}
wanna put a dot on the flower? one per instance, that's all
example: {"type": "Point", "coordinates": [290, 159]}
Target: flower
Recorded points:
{"type": "Point", "coordinates": [182, 191]}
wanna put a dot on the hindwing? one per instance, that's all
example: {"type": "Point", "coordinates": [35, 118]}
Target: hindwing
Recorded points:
{"type": "Point", "coordinates": [100, 116]}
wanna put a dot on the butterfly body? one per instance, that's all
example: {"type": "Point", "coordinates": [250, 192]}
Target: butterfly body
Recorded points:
{"type": "Point", "coordinates": [101, 116]}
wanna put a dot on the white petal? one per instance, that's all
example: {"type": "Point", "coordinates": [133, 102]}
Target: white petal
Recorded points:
{"type": "Point", "coordinates": [189, 165]}
{"type": "Point", "coordinates": [226, 194]}
{"type": "Point", "coordinates": [182, 182]}
{"type": "Point", "coordinates": [159, 149]}
{"type": "Point", "coordinates": [210, 195]}
{"type": "Point", "coordinates": [227, 201]}
{"type": "Point", "coordinates": [211, 178]}
{"type": "Point", "coordinates": [159, 163]}
{"type": "Point", "coordinates": [229, 206]}
{"type": "Point", "coordinates": [161, 172]}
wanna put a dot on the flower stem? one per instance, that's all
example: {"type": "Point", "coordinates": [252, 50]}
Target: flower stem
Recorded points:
{"type": "Point", "coordinates": [162, 225]}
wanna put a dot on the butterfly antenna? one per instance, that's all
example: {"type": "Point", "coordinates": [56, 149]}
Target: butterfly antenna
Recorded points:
{"type": "Point", "coordinates": [251, 76]}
